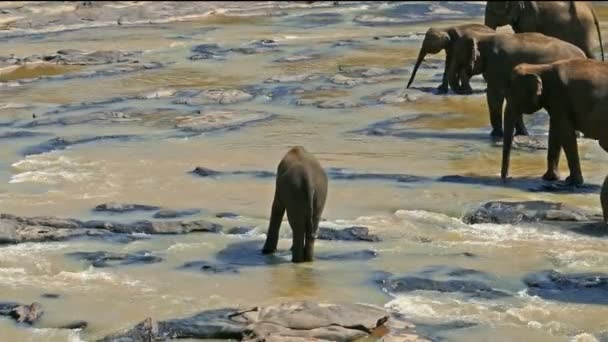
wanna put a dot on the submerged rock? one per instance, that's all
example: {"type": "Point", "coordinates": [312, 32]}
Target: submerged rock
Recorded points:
{"type": "Point", "coordinates": [219, 121]}
{"type": "Point", "coordinates": [362, 255]}
{"type": "Point", "coordinates": [240, 230]}
{"type": "Point", "coordinates": [60, 143]}
{"type": "Point", "coordinates": [207, 267]}
{"type": "Point", "coordinates": [329, 103]}
{"type": "Point", "coordinates": [297, 321]}
{"type": "Point", "coordinates": [170, 214]}
{"type": "Point", "coordinates": [347, 234]}
{"type": "Point", "coordinates": [109, 259]}
{"type": "Point", "coordinates": [217, 96]}
{"type": "Point", "coordinates": [114, 207]}
{"type": "Point", "coordinates": [472, 288]}
{"type": "Point", "coordinates": [585, 288]}
{"type": "Point", "coordinates": [528, 211]}
{"type": "Point", "coordinates": [76, 57]}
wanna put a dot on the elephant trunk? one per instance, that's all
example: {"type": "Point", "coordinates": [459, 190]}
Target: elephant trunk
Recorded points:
{"type": "Point", "coordinates": [599, 33]}
{"type": "Point", "coordinates": [510, 120]}
{"type": "Point", "coordinates": [421, 56]}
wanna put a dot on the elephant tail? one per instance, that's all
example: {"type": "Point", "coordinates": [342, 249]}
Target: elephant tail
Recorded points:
{"type": "Point", "coordinates": [597, 27]}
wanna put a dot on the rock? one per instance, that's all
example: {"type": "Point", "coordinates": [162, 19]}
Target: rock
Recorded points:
{"type": "Point", "coordinates": [260, 46]}
{"type": "Point", "coordinates": [344, 174]}
{"type": "Point", "coordinates": [63, 143]}
{"type": "Point", "coordinates": [297, 321]}
{"type": "Point", "coordinates": [109, 259]}
{"type": "Point", "coordinates": [120, 208]}
{"type": "Point", "coordinates": [19, 134]}
{"type": "Point", "coordinates": [28, 314]}
{"type": "Point", "coordinates": [240, 230]}
{"type": "Point", "coordinates": [209, 51]}
{"type": "Point", "coordinates": [472, 288]}
{"type": "Point", "coordinates": [75, 57]}
{"type": "Point", "coordinates": [314, 20]}
{"type": "Point", "coordinates": [298, 58]}
{"type": "Point", "coordinates": [50, 295]}
{"type": "Point", "coordinates": [76, 325]}
{"type": "Point", "coordinates": [529, 211]}
{"type": "Point", "coordinates": [170, 214]}
{"type": "Point", "coordinates": [220, 120]}
{"type": "Point", "coordinates": [228, 215]}
{"type": "Point", "coordinates": [205, 172]}
{"type": "Point", "coordinates": [217, 96]}
{"type": "Point", "coordinates": [400, 96]}
{"type": "Point", "coordinates": [355, 81]}
{"type": "Point", "coordinates": [292, 78]}
{"type": "Point", "coordinates": [329, 103]}
{"type": "Point", "coordinates": [207, 267]}
{"type": "Point", "coordinates": [363, 255]}
{"type": "Point", "coordinates": [584, 288]}
{"type": "Point", "coordinates": [8, 231]}
{"type": "Point", "coordinates": [347, 234]}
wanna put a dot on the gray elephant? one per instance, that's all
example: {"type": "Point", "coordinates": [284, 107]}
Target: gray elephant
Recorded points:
{"type": "Point", "coordinates": [301, 190]}
{"type": "Point", "coordinates": [495, 55]}
{"type": "Point", "coordinates": [575, 94]}
{"type": "Point", "coordinates": [604, 200]}
{"type": "Point", "coordinates": [437, 39]}
{"type": "Point", "coordinates": [571, 21]}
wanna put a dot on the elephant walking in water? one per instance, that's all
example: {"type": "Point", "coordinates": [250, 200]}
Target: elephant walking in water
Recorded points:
{"type": "Point", "coordinates": [301, 190]}
{"type": "Point", "coordinates": [437, 39]}
{"type": "Point", "coordinates": [575, 94]}
{"type": "Point", "coordinates": [571, 21]}
{"type": "Point", "coordinates": [495, 55]}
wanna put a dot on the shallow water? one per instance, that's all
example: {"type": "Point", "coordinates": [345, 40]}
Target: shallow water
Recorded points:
{"type": "Point", "coordinates": [418, 221]}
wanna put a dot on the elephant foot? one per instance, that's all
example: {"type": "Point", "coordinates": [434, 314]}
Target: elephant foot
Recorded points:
{"type": "Point", "coordinates": [575, 181]}
{"type": "Point", "coordinates": [442, 89]}
{"type": "Point", "coordinates": [551, 176]}
{"type": "Point", "coordinates": [268, 250]}
{"type": "Point", "coordinates": [496, 134]}
{"type": "Point", "coordinates": [521, 131]}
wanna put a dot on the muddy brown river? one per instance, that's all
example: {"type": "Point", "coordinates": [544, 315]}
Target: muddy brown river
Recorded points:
{"type": "Point", "coordinates": [231, 92]}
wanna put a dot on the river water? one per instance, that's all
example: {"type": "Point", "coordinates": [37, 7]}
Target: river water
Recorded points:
{"type": "Point", "coordinates": [419, 221]}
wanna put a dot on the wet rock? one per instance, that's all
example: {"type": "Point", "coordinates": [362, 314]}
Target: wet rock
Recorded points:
{"type": "Point", "coordinates": [171, 214]}
{"type": "Point", "coordinates": [209, 51]}
{"type": "Point", "coordinates": [584, 288]}
{"type": "Point", "coordinates": [329, 103]}
{"type": "Point", "coordinates": [205, 172]}
{"type": "Point", "coordinates": [120, 208]}
{"type": "Point", "coordinates": [362, 255]}
{"type": "Point", "coordinates": [240, 230]}
{"type": "Point", "coordinates": [528, 211]}
{"type": "Point", "coordinates": [314, 20]}
{"type": "Point", "coordinates": [400, 96]}
{"type": "Point", "coordinates": [402, 14]}
{"type": "Point", "coordinates": [292, 78]}
{"type": "Point", "coordinates": [220, 121]}
{"type": "Point", "coordinates": [248, 254]}
{"type": "Point", "coordinates": [348, 81]}
{"type": "Point", "coordinates": [347, 234]}
{"type": "Point", "coordinates": [76, 325]}
{"type": "Point", "coordinates": [531, 184]}
{"type": "Point", "coordinates": [50, 295]}
{"type": "Point", "coordinates": [300, 57]}
{"type": "Point", "coordinates": [109, 259]}
{"type": "Point", "coordinates": [527, 142]}
{"type": "Point", "coordinates": [343, 174]}
{"type": "Point", "coordinates": [60, 143]}
{"type": "Point", "coordinates": [297, 321]}
{"type": "Point", "coordinates": [28, 314]}
{"type": "Point", "coordinates": [157, 94]}
{"type": "Point", "coordinates": [8, 232]}
{"type": "Point", "coordinates": [206, 267]}
{"type": "Point", "coordinates": [217, 96]}
{"type": "Point", "coordinates": [472, 288]}
{"type": "Point", "coordinates": [76, 57]}
{"type": "Point", "coordinates": [19, 134]}
{"type": "Point", "coordinates": [228, 215]}
{"type": "Point", "coordinates": [347, 43]}
{"type": "Point", "coordinates": [256, 47]}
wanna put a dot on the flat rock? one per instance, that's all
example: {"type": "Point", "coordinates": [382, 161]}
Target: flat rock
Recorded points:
{"type": "Point", "coordinates": [61, 143]}
{"type": "Point", "coordinates": [171, 214]}
{"type": "Point", "coordinates": [228, 215]}
{"type": "Point", "coordinates": [348, 81]}
{"type": "Point", "coordinates": [209, 51]}
{"type": "Point", "coordinates": [400, 96]}
{"type": "Point", "coordinates": [300, 57]}
{"type": "Point", "coordinates": [329, 103]}
{"type": "Point", "coordinates": [76, 57]}
{"type": "Point", "coordinates": [528, 211]}
{"type": "Point", "coordinates": [362, 255]}
{"type": "Point", "coordinates": [347, 234]}
{"type": "Point", "coordinates": [219, 121]}
{"type": "Point", "coordinates": [110, 259]}
{"type": "Point", "coordinates": [207, 267]}
{"type": "Point", "coordinates": [113, 207]}
{"type": "Point", "coordinates": [296, 321]}
{"type": "Point", "coordinates": [584, 288]}
{"type": "Point", "coordinates": [471, 288]}
{"type": "Point", "coordinates": [292, 78]}
{"type": "Point", "coordinates": [240, 230]}
{"type": "Point", "coordinates": [217, 96]}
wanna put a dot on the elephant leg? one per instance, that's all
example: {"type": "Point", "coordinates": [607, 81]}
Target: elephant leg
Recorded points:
{"type": "Point", "coordinates": [495, 99]}
{"type": "Point", "coordinates": [553, 154]}
{"type": "Point", "coordinates": [465, 86]}
{"type": "Point", "coordinates": [604, 143]}
{"type": "Point", "coordinates": [520, 127]}
{"type": "Point", "coordinates": [443, 88]}
{"type": "Point", "coordinates": [297, 221]}
{"type": "Point", "coordinates": [276, 217]}
{"type": "Point", "coordinates": [568, 139]}
{"type": "Point", "coordinates": [309, 245]}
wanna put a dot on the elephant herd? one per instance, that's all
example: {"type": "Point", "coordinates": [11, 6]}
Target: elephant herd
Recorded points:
{"type": "Point", "coordinates": [547, 63]}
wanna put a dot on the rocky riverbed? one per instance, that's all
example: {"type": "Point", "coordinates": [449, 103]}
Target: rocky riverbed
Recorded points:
{"type": "Point", "coordinates": [140, 142]}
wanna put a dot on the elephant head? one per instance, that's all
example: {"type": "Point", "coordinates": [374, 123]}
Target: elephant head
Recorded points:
{"type": "Point", "coordinates": [501, 13]}
{"type": "Point", "coordinates": [523, 96]}
{"type": "Point", "coordinates": [466, 60]}
{"type": "Point", "coordinates": [434, 41]}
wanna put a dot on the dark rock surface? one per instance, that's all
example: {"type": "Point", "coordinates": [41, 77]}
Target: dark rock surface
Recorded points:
{"type": "Point", "coordinates": [119, 208]}
{"type": "Point", "coordinates": [228, 215]}
{"type": "Point", "coordinates": [240, 230]}
{"type": "Point", "coordinates": [50, 295]}
{"type": "Point", "coordinates": [584, 288]}
{"type": "Point", "coordinates": [347, 234]}
{"type": "Point", "coordinates": [76, 57]}
{"type": "Point", "coordinates": [63, 143]}
{"type": "Point", "coordinates": [109, 259]}
{"type": "Point", "coordinates": [529, 211]}
{"type": "Point", "coordinates": [15, 229]}
{"type": "Point", "coordinates": [171, 214]}
{"type": "Point", "coordinates": [216, 96]}
{"type": "Point", "coordinates": [207, 267]}
{"type": "Point", "coordinates": [297, 321]}
{"type": "Point", "coordinates": [28, 314]}
{"type": "Point", "coordinates": [362, 255]}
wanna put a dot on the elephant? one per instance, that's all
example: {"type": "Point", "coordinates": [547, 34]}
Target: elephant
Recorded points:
{"type": "Point", "coordinates": [437, 39]}
{"type": "Point", "coordinates": [575, 94]}
{"type": "Point", "coordinates": [604, 200]}
{"type": "Point", "coordinates": [495, 55]}
{"type": "Point", "coordinates": [571, 21]}
{"type": "Point", "coordinates": [301, 190]}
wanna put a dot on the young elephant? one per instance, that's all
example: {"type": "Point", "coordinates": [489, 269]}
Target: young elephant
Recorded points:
{"type": "Point", "coordinates": [604, 200]}
{"type": "Point", "coordinates": [301, 190]}
{"type": "Point", "coordinates": [575, 94]}
{"type": "Point", "coordinates": [437, 39]}
{"type": "Point", "coordinates": [495, 55]}
{"type": "Point", "coordinates": [571, 21]}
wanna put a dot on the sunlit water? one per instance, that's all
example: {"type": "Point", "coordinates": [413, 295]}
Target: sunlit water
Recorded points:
{"type": "Point", "coordinates": [419, 222]}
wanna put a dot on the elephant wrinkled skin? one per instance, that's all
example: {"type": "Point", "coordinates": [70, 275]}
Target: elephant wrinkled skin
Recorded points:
{"type": "Point", "coordinates": [575, 94]}
{"type": "Point", "coordinates": [495, 55]}
{"type": "Point", "coordinates": [571, 21]}
{"type": "Point", "coordinates": [301, 190]}
{"type": "Point", "coordinates": [437, 39]}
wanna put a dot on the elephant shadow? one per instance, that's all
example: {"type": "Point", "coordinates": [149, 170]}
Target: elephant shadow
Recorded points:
{"type": "Point", "coordinates": [249, 254]}
{"type": "Point", "coordinates": [530, 184]}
